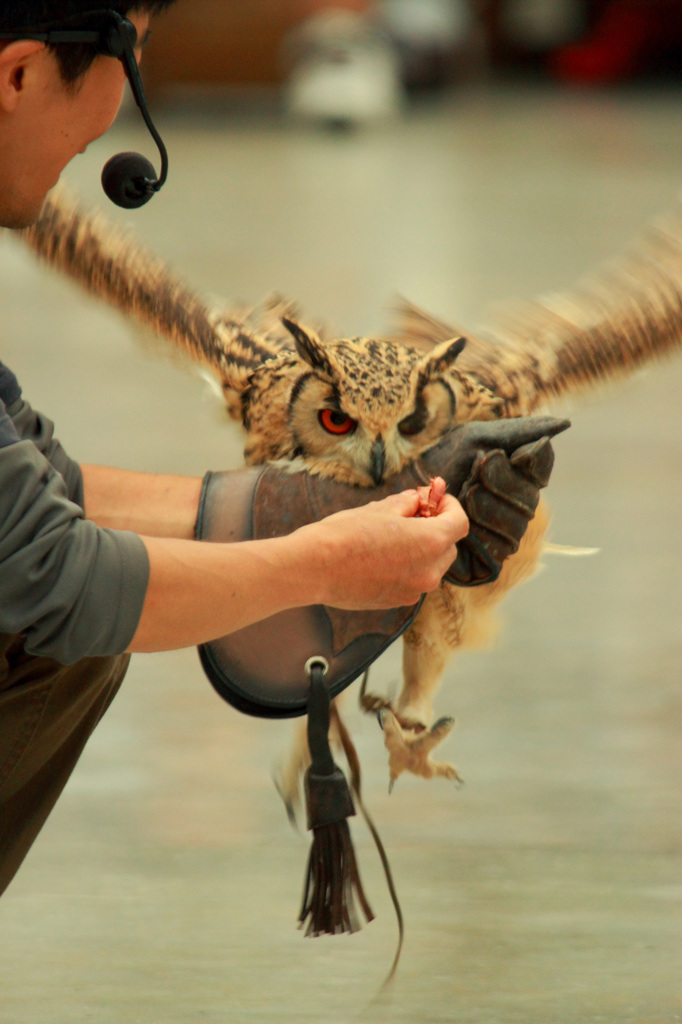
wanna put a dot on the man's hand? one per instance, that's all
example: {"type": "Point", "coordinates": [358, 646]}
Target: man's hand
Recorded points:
{"type": "Point", "coordinates": [383, 555]}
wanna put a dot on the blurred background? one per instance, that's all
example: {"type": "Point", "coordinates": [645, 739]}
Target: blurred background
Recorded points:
{"type": "Point", "coordinates": [430, 44]}
{"type": "Point", "coordinates": [459, 154]}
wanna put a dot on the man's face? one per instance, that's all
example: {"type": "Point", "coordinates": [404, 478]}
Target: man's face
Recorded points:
{"type": "Point", "coordinates": [45, 123]}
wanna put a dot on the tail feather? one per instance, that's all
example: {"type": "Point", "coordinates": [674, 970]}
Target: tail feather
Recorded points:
{"type": "Point", "coordinates": [568, 550]}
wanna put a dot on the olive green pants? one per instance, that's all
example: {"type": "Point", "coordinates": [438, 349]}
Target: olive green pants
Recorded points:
{"type": "Point", "coordinates": [47, 713]}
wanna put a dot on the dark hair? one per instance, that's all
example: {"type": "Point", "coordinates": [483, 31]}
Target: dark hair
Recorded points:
{"type": "Point", "coordinates": [73, 59]}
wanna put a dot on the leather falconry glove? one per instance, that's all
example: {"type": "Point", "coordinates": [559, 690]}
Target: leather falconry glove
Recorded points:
{"type": "Point", "coordinates": [9, 393]}
{"type": "Point", "coordinates": [496, 469]}
{"type": "Point", "coordinates": [499, 496]}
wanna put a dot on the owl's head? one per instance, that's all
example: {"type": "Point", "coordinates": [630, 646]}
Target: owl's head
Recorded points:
{"type": "Point", "coordinates": [359, 409]}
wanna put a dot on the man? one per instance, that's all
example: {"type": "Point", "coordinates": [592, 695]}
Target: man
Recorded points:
{"type": "Point", "coordinates": [97, 563]}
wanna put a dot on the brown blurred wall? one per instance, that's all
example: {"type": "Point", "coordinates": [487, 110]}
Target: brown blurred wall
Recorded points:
{"type": "Point", "coordinates": [224, 41]}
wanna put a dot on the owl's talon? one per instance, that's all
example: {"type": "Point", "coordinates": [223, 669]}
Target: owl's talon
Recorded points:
{"type": "Point", "coordinates": [372, 702]}
{"type": "Point", "coordinates": [446, 722]}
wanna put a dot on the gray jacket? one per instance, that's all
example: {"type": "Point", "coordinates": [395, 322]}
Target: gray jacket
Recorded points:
{"type": "Point", "coordinates": [70, 588]}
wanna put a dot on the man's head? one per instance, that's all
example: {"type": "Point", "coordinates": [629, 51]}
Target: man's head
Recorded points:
{"type": "Point", "coordinates": [73, 59]}
{"type": "Point", "coordinates": [54, 100]}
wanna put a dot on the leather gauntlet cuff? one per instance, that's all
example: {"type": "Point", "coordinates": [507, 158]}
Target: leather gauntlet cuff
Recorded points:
{"type": "Point", "coordinates": [260, 669]}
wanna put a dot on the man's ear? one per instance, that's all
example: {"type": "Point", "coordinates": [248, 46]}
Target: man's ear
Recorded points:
{"type": "Point", "coordinates": [14, 57]}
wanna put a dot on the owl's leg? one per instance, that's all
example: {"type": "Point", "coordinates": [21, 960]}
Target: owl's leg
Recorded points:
{"type": "Point", "coordinates": [450, 618]}
{"type": "Point", "coordinates": [427, 646]}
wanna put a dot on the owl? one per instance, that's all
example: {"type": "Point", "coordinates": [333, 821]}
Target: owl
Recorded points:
{"type": "Point", "coordinates": [359, 409]}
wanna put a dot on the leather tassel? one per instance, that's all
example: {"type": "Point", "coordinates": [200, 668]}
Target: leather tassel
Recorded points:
{"type": "Point", "coordinates": [332, 881]}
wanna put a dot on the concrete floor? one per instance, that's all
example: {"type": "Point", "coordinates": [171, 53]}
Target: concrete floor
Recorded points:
{"type": "Point", "coordinates": [164, 888]}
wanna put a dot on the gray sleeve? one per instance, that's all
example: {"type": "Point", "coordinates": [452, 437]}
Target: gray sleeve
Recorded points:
{"type": "Point", "coordinates": [34, 426]}
{"type": "Point", "coordinates": [73, 589]}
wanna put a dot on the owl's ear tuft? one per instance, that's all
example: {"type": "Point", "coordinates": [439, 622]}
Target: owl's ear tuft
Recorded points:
{"type": "Point", "coordinates": [309, 347]}
{"type": "Point", "coordinates": [441, 357]}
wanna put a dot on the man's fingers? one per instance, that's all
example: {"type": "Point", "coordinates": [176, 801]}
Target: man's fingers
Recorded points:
{"type": "Point", "coordinates": [404, 503]}
{"type": "Point", "coordinates": [451, 512]}
{"type": "Point", "coordinates": [450, 516]}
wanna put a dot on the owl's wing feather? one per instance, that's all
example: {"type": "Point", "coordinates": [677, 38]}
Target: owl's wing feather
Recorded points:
{"type": "Point", "coordinates": [420, 330]}
{"type": "Point", "coordinates": [624, 316]}
{"type": "Point", "coordinates": [111, 264]}
{"type": "Point", "coordinates": [608, 325]}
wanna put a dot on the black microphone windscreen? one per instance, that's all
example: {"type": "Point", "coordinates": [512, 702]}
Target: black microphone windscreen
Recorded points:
{"type": "Point", "coordinates": [128, 180]}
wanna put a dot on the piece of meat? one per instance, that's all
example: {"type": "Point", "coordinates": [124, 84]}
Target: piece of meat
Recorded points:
{"type": "Point", "coordinates": [430, 497]}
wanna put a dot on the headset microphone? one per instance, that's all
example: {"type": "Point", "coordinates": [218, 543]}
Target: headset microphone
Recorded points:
{"type": "Point", "coordinates": [128, 179]}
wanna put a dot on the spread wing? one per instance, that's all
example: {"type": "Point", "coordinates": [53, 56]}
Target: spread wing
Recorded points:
{"type": "Point", "coordinates": [608, 325]}
{"type": "Point", "coordinates": [114, 266]}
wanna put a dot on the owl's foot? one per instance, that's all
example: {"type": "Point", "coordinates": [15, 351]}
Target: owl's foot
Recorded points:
{"type": "Point", "coordinates": [410, 750]}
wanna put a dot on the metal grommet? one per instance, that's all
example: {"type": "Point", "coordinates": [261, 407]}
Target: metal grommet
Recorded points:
{"type": "Point", "coordinates": [317, 659]}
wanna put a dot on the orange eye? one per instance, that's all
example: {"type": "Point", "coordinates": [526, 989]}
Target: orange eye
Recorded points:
{"type": "Point", "coordinates": [335, 422]}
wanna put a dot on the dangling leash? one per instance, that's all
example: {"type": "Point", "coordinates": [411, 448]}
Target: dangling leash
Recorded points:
{"type": "Point", "coordinates": [354, 765]}
{"type": "Point", "coordinates": [332, 879]}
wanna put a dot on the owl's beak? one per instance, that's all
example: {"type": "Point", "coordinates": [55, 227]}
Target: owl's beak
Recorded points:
{"type": "Point", "coordinates": [377, 460]}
